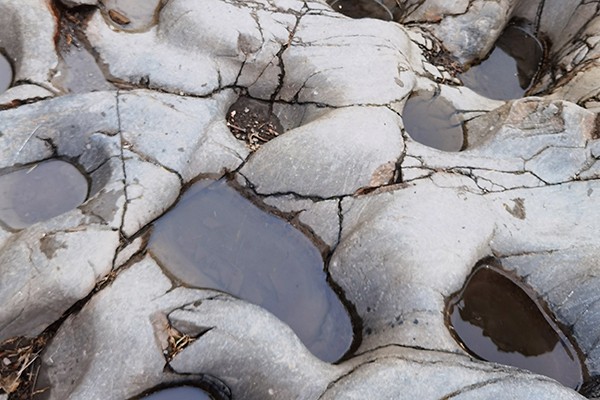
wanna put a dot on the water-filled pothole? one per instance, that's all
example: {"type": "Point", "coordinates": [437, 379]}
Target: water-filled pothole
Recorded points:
{"type": "Point", "coordinates": [179, 393]}
{"type": "Point", "coordinates": [362, 9]}
{"type": "Point", "coordinates": [497, 318]}
{"type": "Point", "coordinates": [39, 192]}
{"type": "Point", "coordinates": [253, 121]}
{"type": "Point", "coordinates": [216, 238]}
{"type": "Point", "coordinates": [511, 67]}
{"type": "Point", "coordinates": [433, 121]}
{"type": "Point", "coordinates": [6, 73]}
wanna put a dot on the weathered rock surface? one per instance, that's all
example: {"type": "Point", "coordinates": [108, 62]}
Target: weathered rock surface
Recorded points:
{"type": "Point", "coordinates": [125, 324]}
{"type": "Point", "coordinates": [39, 278]}
{"type": "Point", "coordinates": [431, 375]}
{"type": "Point", "coordinates": [28, 39]}
{"type": "Point", "coordinates": [405, 223]}
{"type": "Point", "coordinates": [347, 150]}
{"type": "Point", "coordinates": [131, 183]}
{"type": "Point", "coordinates": [136, 314]}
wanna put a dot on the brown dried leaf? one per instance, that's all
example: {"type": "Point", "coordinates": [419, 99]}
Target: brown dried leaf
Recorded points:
{"type": "Point", "coordinates": [118, 17]}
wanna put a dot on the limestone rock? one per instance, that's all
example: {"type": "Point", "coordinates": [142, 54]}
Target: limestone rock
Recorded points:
{"type": "Point", "coordinates": [334, 155]}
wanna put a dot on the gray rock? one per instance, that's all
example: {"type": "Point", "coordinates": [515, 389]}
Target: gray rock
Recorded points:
{"type": "Point", "coordinates": [568, 284]}
{"type": "Point", "coordinates": [28, 39]}
{"type": "Point", "coordinates": [151, 190]}
{"type": "Point", "coordinates": [334, 155]}
{"type": "Point", "coordinates": [434, 10]}
{"type": "Point", "coordinates": [406, 223]}
{"type": "Point", "coordinates": [40, 279]}
{"type": "Point", "coordinates": [337, 76]}
{"type": "Point", "coordinates": [432, 375]}
{"type": "Point", "coordinates": [526, 143]}
{"type": "Point", "coordinates": [470, 36]}
{"type": "Point", "coordinates": [536, 220]}
{"type": "Point", "coordinates": [22, 93]}
{"type": "Point", "coordinates": [184, 135]}
{"type": "Point", "coordinates": [253, 362]}
{"type": "Point", "coordinates": [213, 60]}
{"type": "Point", "coordinates": [322, 217]}
{"type": "Point", "coordinates": [114, 348]}
{"type": "Point", "coordinates": [391, 250]}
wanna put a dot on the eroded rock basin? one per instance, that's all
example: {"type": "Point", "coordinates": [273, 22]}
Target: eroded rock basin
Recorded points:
{"type": "Point", "coordinates": [404, 223]}
{"type": "Point", "coordinates": [215, 238]}
{"type": "Point", "coordinates": [497, 318]}
{"type": "Point", "coordinates": [39, 192]}
{"type": "Point", "coordinates": [510, 68]}
{"type": "Point", "coordinates": [432, 121]}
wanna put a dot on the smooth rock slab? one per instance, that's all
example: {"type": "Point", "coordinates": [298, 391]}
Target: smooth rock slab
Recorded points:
{"type": "Point", "coordinates": [151, 190]}
{"type": "Point", "coordinates": [398, 259]}
{"type": "Point", "coordinates": [214, 59]}
{"type": "Point", "coordinates": [185, 135]}
{"type": "Point", "coordinates": [400, 373]}
{"type": "Point", "coordinates": [399, 255]}
{"type": "Point", "coordinates": [28, 39]}
{"type": "Point", "coordinates": [327, 63]}
{"type": "Point", "coordinates": [321, 216]}
{"type": "Point", "coordinates": [38, 284]}
{"type": "Point", "coordinates": [256, 363]}
{"type": "Point", "coordinates": [113, 348]}
{"type": "Point", "coordinates": [526, 143]}
{"type": "Point", "coordinates": [334, 155]}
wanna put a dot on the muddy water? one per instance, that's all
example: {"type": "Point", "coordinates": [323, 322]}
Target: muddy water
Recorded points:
{"type": "Point", "coordinates": [6, 73]}
{"type": "Point", "coordinates": [362, 9]}
{"type": "Point", "coordinates": [132, 15]}
{"type": "Point", "coordinates": [508, 71]}
{"type": "Point", "coordinates": [432, 121]}
{"type": "Point", "coordinates": [216, 238]}
{"type": "Point", "coordinates": [39, 192]}
{"type": "Point", "coordinates": [179, 393]}
{"type": "Point", "coordinates": [497, 318]}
